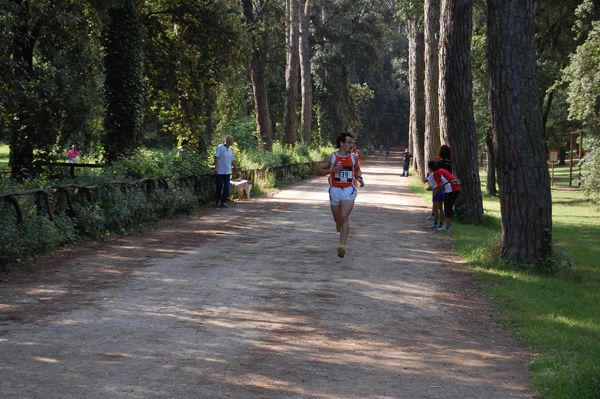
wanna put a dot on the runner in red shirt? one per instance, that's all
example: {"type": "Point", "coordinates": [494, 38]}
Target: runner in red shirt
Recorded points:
{"type": "Point", "coordinates": [343, 168]}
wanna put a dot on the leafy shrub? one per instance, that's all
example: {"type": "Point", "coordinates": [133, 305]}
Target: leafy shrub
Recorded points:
{"type": "Point", "coordinates": [118, 208]}
{"type": "Point", "coordinates": [189, 164]}
{"type": "Point", "coordinates": [90, 221]}
{"type": "Point", "coordinates": [144, 163]}
{"type": "Point", "coordinates": [244, 133]}
{"type": "Point", "coordinates": [590, 172]}
{"type": "Point", "coordinates": [263, 184]}
{"type": "Point", "coordinates": [168, 203]}
{"type": "Point", "coordinates": [118, 214]}
{"type": "Point", "coordinates": [36, 235]}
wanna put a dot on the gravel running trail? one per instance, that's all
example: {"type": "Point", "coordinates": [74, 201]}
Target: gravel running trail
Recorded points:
{"type": "Point", "coordinates": [252, 302]}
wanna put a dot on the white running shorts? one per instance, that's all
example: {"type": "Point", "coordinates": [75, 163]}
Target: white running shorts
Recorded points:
{"type": "Point", "coordinates": [339, 194]}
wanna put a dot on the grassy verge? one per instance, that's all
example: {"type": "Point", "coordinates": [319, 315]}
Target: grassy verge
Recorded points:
{"type": "Point", "coordinates": [556, 317]}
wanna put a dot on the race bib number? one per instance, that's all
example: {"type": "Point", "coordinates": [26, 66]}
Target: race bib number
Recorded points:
{"type": "Point", "coordinates": [345, 176]}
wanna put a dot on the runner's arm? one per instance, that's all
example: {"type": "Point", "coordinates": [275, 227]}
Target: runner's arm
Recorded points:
{"type": "Point", "coordinates": [324, 169]}
{"type": "Point", "coordinates": [358, 174]}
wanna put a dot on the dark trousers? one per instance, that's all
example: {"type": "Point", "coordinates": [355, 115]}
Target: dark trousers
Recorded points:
{"type": "Point", "coordinates": [223, 182]}
{"type": "Point", "coordinates": [449, 200]}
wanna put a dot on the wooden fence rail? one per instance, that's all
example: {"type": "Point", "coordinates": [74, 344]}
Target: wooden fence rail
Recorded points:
{"type": "Point", "coordinates": [61, 199]}
{"type": "Point", "coordinates": [65, 196]}
{"type": "Point", "coordinates": [72, 166]}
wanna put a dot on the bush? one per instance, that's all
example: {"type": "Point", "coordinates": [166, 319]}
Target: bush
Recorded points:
{"type": "Point", "coordinates": [90, 221]}
{"type": "Point", "coordinates": [118, 208]}
{"type": "Point", "coordinates": [143, 163]}
{"type": "Point", "coordinates": [590, 172]}
{"type": "Point", "coordinates": [36, 235]}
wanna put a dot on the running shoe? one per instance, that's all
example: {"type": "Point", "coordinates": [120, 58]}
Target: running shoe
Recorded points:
{"type": "Point", "coordinates": [341, 251]}
{"type": "Point", "coordinates": [434, 226]}
{"type": "Point", "coordinates": [444, 228]}
{"type": "Point", "coordinates": [338, 227]}
{"type": "Point", "coordinates": [430, 217]}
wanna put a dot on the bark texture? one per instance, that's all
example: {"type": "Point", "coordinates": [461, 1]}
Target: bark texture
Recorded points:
{"type": "Point", "coordinates": [257, 76]}
{"type": "Point", "coordinates": [432, 115]}
{"type": "Point", "coordinates": [124, 91]}
{"type": "Point", "coordinates": [22, 127]}
{"type": "Point", "coordinates": [291, 70]}
{"type": "Point", "coordinates": [305, 76]}
{"type": "Point", "coordinates": [523, 178]}
{"type": "Point", "coordinates": [416, 68]}
{"type": "Point", "coordinates": [456, 105]}
{"type": "Point", "coordinates": [490, 187]}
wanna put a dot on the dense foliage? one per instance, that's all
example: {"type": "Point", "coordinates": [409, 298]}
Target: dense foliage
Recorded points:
{"type": "Point", "coordinates": [590, 171]}
{"type": "Point", "coordinates": [123, 202]}
{"type": "Point", "coordinates": [124, 81]}
{"type": "Point", "coordinates": [183, 73]}
{"type": "Point", "coordinates": [583, 76]}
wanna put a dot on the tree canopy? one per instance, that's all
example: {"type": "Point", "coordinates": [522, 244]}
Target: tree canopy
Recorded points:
{"type": "Point", "coordinates": [115, 74]}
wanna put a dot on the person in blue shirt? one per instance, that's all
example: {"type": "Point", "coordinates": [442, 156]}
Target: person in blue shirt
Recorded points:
{"type": "Point", "coordinates": [224, 161]}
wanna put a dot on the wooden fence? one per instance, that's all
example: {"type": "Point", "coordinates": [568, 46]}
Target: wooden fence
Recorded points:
{"type": "Point", "coordinates": [60, 199]}
{"type": "Point", "coordinates": [280, 172]}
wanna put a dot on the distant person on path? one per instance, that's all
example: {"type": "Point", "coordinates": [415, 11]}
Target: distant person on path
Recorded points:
{"type": "Point", "coordinates": [445, 181]}
{"type": "Point", "coordinates": [224, 160]}
{"type": "Point", "coordinates": [387, 151]}
{"type": "Point", "coordinates": [72, 154]}
{"type": "Point", "coordinates": [406, 158]}
{"type": "Point", "coordinates": [343, 168]}
{"type": "Point", "coordinates": [184, 149]}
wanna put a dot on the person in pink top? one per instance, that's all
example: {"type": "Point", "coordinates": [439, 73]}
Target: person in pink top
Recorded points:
{"type": "Point", "coordinates": [451, 186]}
{"type": "Point", "coordinates": [72, 154]}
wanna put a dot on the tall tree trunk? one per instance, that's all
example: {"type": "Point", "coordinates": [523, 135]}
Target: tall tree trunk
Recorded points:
{"type": "Point", "coordinates": [291, 70]}
{"type": "Point", "coordinates": [416, 67]}
{"type": "Point", "coordinates": [257, 76]}
{"type": "Point", "coordinates": [490, 186]}
{"type": "Point", "coordinates": [523, 178]}
{"type": "Point", "coordinates": [457, 121]}
{"type": "Point", "coordinates": [432, 121]}
{"type": "Point", "coordinates": [22, 138]}
{"type": "Point", "coordinates": [306, 79]}
{"type": "Point", "coordinates": [124, 83]}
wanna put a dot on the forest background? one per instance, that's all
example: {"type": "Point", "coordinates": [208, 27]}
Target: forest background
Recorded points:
{"type": "Point", "coordinates": [189, 65]}
{"type": "Point", "coordinates": [127, 81]}
{"type": "Point", "coordinates": [511, 78]}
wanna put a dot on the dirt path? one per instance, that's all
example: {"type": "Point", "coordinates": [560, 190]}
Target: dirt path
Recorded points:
{"type": "Point", "coordinates": [252, 302]}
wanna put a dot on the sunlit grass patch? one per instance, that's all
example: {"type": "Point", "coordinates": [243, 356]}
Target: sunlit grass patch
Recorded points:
{"type": "Point", "coordinates": [556, 316]}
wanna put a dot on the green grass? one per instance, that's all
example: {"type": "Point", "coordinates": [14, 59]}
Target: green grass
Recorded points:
{"type": "Point", "coordinates": [4, 154]}
{"type": "Point", "coordinates": [556, 317]}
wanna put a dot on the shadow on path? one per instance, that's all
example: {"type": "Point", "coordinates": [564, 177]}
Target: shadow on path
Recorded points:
{"type": "Point", "coordinates": [252, 302]}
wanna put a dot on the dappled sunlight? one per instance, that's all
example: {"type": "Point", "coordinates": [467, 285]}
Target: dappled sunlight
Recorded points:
{"type": "Point", "coordinates": [252, 302]}
{"type": "Point", "coordinates": [45, 359]}
{"type": "Point", "coordinates": [400, 292]}
{"type": "Point", "coordinates": [44, 292]}
{"type": "Point", "coordinates": [588, 325]}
